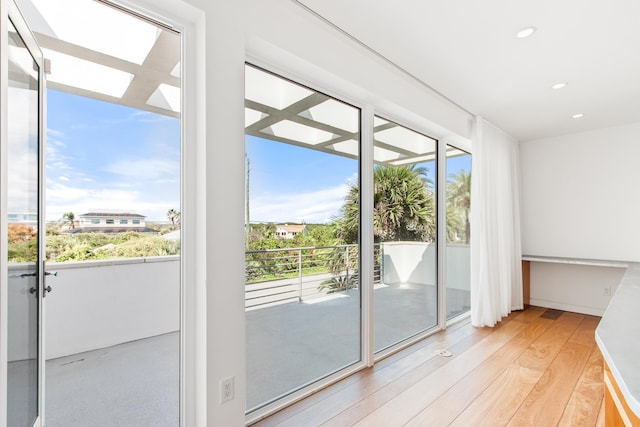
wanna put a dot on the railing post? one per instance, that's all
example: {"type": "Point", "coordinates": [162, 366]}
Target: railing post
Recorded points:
{"type": "Point", "coordinates": [300, 274]}
{"type": "Point", "coordinates": [346, 279]}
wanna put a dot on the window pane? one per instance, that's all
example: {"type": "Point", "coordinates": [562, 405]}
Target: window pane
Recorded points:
{"type": "Point", "coordinates": [302, 220]}
{"type": "Point", "coordinates": [457, 263]}
{"type": "Point", "coordinates": [22, 314]}
{"type": "Point", "coordinates": [405, 290]}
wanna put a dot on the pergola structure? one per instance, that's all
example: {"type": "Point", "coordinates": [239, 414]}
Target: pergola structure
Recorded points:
{"type": "Point", "coordinates": [280, 110]}
{"type": "Point", "coordinates": [95, 50]}
{"type": "Point", "coordinates": [138, 65]}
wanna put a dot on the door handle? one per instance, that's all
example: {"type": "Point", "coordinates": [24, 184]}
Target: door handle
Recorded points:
{"type": "Point", "coordinates": [48, 287]}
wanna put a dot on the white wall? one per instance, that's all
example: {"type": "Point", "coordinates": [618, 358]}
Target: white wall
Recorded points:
{"type": "Point", "coordinates": [578, 288]}
{"type": "Point", "coordinates": [96, 304]}
{"type": "Point", "coordinates": [579, 195]}
{"type": "Point", "coordinates": [283, 37]}
{"type": "Point", "coordinates": [458, 267]}
{"type": "Point", "coordinates": [220, 199]}
{"type": "Point", "coordinates": [415, 262]}
{"type": "Point", "coordinates": [409, 262]}
{"type": "Point", "coordinates": [289, 40]}
{"type": "Point", "coordinates": [578, 201]}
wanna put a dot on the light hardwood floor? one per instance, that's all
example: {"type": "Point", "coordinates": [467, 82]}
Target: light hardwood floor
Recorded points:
{"type": "Point", "coordinates": [537, 367]}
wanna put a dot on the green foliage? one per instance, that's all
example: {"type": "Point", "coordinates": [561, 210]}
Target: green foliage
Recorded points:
{"type": "Point", "coordinates": [281, 264]}
{"type": "Point", "coordinates": [162, 228]}
{"type": "Point", "coordinates": [458, 207]}
{"type": "Point", "coordinates": [404, 207]}
{"type": "Point", "coordinates": [63, 247]}
{"type": "Point", "coordinates": [141, 247]}
{"type": "Point", "coordinates": [174, 216]}
{"type": "Point", "coordinates": [23, 251]}
{"type": "Point", "coordinates": [342, 263]}
{"type": "Point", "coordinates": [338, 284]}
{"type": "Point", "coordinates": [79, 252]}
{"type": "Point", "coordinates": [70, 218]}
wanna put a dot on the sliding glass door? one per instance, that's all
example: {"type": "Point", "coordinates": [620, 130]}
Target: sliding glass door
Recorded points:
{"type": "Point", "coordinates": [302, 231]}
{"type": "Point", "coordinates": [404, 225]}
{"type": "Point", "coordinates": [458, 233]}
{"type": "Point", "coordinates": [305, 296]}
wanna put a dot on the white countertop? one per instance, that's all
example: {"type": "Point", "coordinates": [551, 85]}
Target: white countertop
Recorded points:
{"type": "Point", "coordinates": [618, 336]}
{"type": "Point", "coordinates": [577, 261]}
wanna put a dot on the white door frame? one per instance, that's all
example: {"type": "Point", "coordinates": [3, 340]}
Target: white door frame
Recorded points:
{"type": "Point", "coordinates": [8, 9]}
{"type": "Point", "coordinates": [189, 21]}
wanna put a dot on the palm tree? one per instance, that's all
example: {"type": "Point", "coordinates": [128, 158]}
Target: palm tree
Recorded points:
{"type": "Point", "coordinates": [403, 206]}
{"type": "Point", "coordinates": [174, 216]}
{"type": "Point", "coordinates": [455, 224]}
{"type": "Point", "coordinates": [459, 197]}
{"type": "Point", "coordinates": [70, 218]}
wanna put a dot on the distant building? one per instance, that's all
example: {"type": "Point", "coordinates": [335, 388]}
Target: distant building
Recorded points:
{"type": "Point", "coordinates": [27, 218]}
{"type": "Point", "coordinates": [286, 231]}
{"type": "Point", "coordinates": [111, 223]}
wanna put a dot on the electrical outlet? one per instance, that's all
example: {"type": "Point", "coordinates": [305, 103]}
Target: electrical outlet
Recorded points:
{"type": "Point", "coordinates": [226, 389]}
{"type": "Point", "coordinates": [607, 291]}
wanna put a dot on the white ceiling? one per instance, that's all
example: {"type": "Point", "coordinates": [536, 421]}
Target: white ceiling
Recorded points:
{"type": "Point", "coordinates": [468, 51]}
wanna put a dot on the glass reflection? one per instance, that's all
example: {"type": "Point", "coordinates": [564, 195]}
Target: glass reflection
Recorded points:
{"type": "Point", "coordinates": [22, 204]}
{"type": "Point", "coordinates": [404, 219]}
{"type": "Point", "coordinates": [302, 293]}
{"type": "Point", "coordinates": [457, 264]}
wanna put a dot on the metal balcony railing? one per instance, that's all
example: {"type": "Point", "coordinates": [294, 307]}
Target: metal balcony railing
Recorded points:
{"type": "Point", "coordinates": [279, 275]}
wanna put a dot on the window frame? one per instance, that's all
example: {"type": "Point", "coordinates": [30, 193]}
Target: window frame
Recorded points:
{"type": "Point", "coordinates": [365, 307]}
{"type": "Point", "coordinates": [292, 69]}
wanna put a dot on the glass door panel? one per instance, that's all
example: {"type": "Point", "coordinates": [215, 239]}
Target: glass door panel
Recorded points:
{"type": "Point", "coordinates": [457, 259]}
{"type": "Point", "coordinates": [404, 221]}
{"type": "Point", "coordinates": [302, 224]}
{"type": "Point", "coordinates": [23, 214]}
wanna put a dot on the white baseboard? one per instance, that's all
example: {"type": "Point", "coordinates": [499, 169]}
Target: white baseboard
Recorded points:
{"type": "Point", "coordinates": [593, 311]}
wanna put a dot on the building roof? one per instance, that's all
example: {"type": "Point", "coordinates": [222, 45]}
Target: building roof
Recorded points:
{"type": "Point", "coordinates": [112, 230]}
{"type": "Point", "coordinates": [112, 214]}
{"type": "Point", "coordinates": [291, 227]}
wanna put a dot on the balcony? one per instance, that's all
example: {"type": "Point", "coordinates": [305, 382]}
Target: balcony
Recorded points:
{"type": "Point", "coordinates": [112, 327]}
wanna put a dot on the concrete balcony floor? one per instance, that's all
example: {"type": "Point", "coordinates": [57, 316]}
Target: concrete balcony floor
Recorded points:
{"type": "Point", "coordinates": [130, 384]}
{"type": "Point", "coordinates": [288, 346]}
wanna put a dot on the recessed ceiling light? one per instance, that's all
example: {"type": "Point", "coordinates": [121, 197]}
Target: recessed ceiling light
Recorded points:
{"type": "Point", "coordinates": [577, 116]}
{"type": "Point", "coordinates": [559, 85]}
{"type": "Point", "coordinates": [525, 32]}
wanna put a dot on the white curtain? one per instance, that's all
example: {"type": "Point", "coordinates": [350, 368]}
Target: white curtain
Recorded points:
{"type": "Point", "coordinates": [496, 253]}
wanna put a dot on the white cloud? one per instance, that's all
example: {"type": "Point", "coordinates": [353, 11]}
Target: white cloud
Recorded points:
{"type": "Point", "coordinates": [62, 197]}
{"type": "Point", "coordinates": [53, 133]}
{"type": "Point", "coordinates": [60, 194]}
{"type": "Point", "coordinates": [148, 117]}
{"type": "Point", "coordinates": [157, 169]}
{"type": "Point", "coordinates": [55, 160]}
{"type": "Point", "coordinates": [318, 206]}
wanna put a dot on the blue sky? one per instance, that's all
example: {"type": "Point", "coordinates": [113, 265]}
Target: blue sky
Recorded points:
{"type": "Point", "coordinates": [293, 184]}
{"type": "Point", "coordinates": [107, 156]}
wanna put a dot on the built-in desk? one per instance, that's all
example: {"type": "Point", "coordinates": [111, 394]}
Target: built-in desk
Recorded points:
{"type": "Point", "coordinates": [618, 336]}
{"type": "Point", "coordinates": [575, 261]}
{"type": "Point", "coordinates": [572, 284]}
